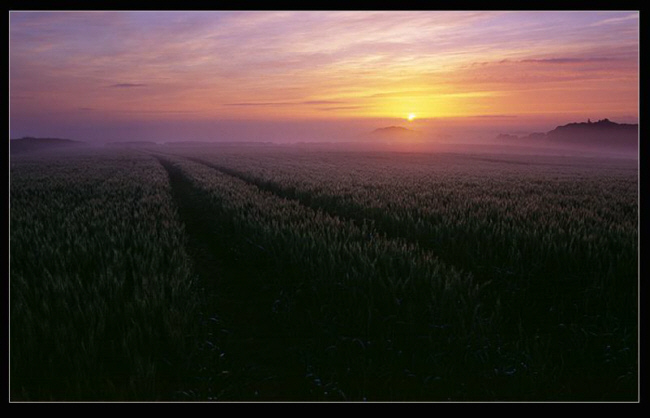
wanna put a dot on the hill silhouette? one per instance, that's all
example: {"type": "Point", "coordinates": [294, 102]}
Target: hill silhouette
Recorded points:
{"type": "Point", "coordinates": [603, 134]}
{"type": "Point", "coordinates": [129, 144]}
{"type": "Point", "coordinates": [30, 144]}
{"type": "Point", "coordinates": [396, 134]}
{"type": "Point", "coordinates": [394, 130]}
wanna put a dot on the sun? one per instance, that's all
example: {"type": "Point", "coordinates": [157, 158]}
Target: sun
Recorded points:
{"type": "Point", "coordinates": [411, 116]}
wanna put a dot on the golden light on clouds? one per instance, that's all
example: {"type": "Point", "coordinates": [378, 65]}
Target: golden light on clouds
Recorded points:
{"type": "Point", "coordinates": [267, 66]}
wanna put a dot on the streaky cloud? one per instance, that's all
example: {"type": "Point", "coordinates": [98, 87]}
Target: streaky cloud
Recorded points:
{"type": "Point", "coordinates": [126, 85]}
{"type": "Point", "coordinates": [568, 60]}
{"type": "Point", "coordinates": [321, 102]}
{"type": "Point", "coordinates": [493, 116]}
{"type": "Point", "coordinates": [305, 102]}
{"type": "Point", "coordinates": [341, 108]}
{"type": "Point", "coordinates": [158, 111]}
{"type": "Point", "coordinates": [259, 104]}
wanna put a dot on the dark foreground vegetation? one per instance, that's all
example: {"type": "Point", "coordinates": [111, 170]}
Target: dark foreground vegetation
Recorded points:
{"type": "Point", "coordinates": [283, 274]}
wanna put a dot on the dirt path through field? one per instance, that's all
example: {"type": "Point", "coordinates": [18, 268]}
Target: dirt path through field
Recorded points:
{"type": "Point", "coordinates": [257, 359]}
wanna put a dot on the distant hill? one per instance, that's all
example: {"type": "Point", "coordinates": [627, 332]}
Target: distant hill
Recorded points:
{"type": "Point", "coordinates": [394, 130]}
{"type": "Point", "coordinates": [601, 134]}
{"type": "Point", "coordinates": [29, 144]}
{"type": "Point", "coordinates": [128, 144]}
{"type": "Point", "coordinates": [394, 134]}
{"type": "Point", "coordinates": [218, 144]}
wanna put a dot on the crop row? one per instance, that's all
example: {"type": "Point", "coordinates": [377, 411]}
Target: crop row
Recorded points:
{"type": "Point", "coordinates": [561, 224]}
{"type": "Point", "coordinates": [102, 296]}
{"type": "Point", "coordinates": [553, 241]}
{"type": "Point", "coordinates": [378, 310]}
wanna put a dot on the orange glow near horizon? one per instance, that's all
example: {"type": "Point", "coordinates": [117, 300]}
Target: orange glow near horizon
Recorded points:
{"type": "Point", "coordinates": [270, 66]}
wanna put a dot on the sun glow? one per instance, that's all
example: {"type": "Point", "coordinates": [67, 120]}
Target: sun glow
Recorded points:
{"type": "Point", "coordinates": [411, 116]}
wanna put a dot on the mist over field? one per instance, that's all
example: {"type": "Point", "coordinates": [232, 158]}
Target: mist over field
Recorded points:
{"type": "Point", "coordinates": [607, 139]}
{"type": "Point", "coordinates": [330, 206]}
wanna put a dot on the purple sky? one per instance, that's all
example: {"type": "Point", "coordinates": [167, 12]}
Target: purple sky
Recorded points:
{"type": "Point", "coordinates": [292, 76]}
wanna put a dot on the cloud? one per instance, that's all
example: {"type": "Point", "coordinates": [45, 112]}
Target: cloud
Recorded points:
{"type": "Point", "coordinates": [559, 60]}
{"type": "Point", "coordinates": [157, 111]}
{"type": "Point", "coordinates": [321, 102]}
{"type": "Point", "coordinates": [126, 85]}
{"type": "Point", "coordinates": [341, 108]}
{"type": "Point", "coordinates": [493, 116]}
{"type": "Point", "coordinates": [569, 60]}
{"type": "Point", "coordinates": [21, 97]}
{"type": "Point", "coordinates": [405, 93]}
{"type": "Point", "coordinates": [259, 104]}
{"type": "Point", "coordinates": [633, 16]}
{"type": "Point", "coordinates": [305, 102]}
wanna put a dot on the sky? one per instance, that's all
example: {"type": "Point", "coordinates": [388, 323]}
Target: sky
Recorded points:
{"type": "Point", "coordinates": [316, 75]}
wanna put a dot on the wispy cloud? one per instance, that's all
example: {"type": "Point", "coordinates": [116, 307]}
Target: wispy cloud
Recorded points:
{"type": "Point", "coordinates": [157, 111]}
{"type": "Point", "coordinates": [493, 116]}
{"type": "Point", "coordinates": [126, 85]}
{"type": "Point", "coordinates": [321, 102]}
{"type": "Point", "coordinates": [567, 60]}
{"type": "Point", "coordinates": [304, 102]}
{"type": "Point", "coordinates": [407, 93]}
{"type": "Point", "coordinates": [555, 60]}
{"type": "Point", "coordinates": [341, 108]}
{"type": "Point", "coordinates": [614, 20]}
{"type": "Point", "coordinates": [252, 104]}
